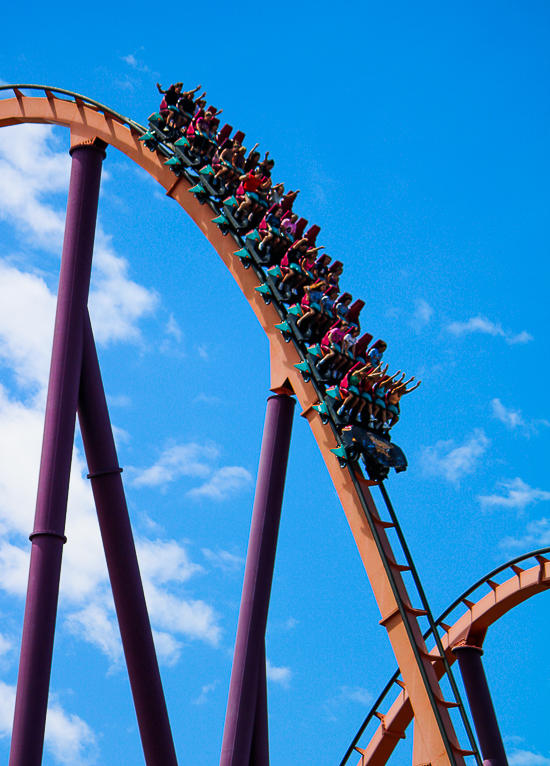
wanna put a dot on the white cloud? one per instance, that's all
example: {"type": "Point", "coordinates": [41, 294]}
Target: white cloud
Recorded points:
{"type": "Point", "coordinates": [521, 337]}
{"type": "Point", "coordinates": [537, 535]}
{"type": "Point", "coordinates": [70, 739]}
{"type": "Point", "coordinates": [14, 569]}
{"type": "Point", "coordinates": [120, 400]}
{"type": "Point", "coordinates": [193, 618]}
{"type": "Point", "coordinates": [356, 694]}
{"type": "Point", "coordinates": [167, 647]}
{"type": "Point", "coordinates": [510, 418]}
{"type": "Point", "coordinates": [130, 59]}
{"type": "Point", "coordinates": [513, 419]}
{"type": "Point", "coordinates": [527, 758]}
{"type": "Point", "coordinates": [96, 624]}
{"type": "Point", "coordinates": [5, 645]}
{"type": "Point", "coordinates": [27, 311]}
{"type": "Point", "coordinates": [163, 561]}
{"type": "Point", "coordinates": [176, 461]}
{"type": "Point", "coordinates": [346, 694]}
{"type": "Point", "coordinates": [116, 302]}
{"type": "Point", "coordinates": [422, 314]}
{"type": "Point", "coordinates": [173, 328]}
{"type": "Point", "coordinates": [228, 562]}
{"type": "Point", "coordinates": [453, 463]}
{"type": "Point", "coordinates": [31, 171]}
{"type": "Point", "coordinates": [518, 496]}
{"type": "Point", "coordinates": [206, 691]}
{"type": "Point", "coordinates": [193, 460]}
{"type": "Point", "coordinates": [226, 481]}
{"type": "Point", "coordinates": [291, 623]}
{"type": "Point", "coordinates": [282, 675]}
{"type": "Point", "coordinates": [483, 325]}
{"type": "Point", "coordinates": [207, 399]}
{"type": "Point", "coordinates": [133, 62]}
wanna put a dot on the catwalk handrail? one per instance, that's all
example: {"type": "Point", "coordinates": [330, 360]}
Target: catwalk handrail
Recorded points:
{"type": "Point", "coordinates": [78, 97]}
{"type": "Point", "coordinates": [456, 603]}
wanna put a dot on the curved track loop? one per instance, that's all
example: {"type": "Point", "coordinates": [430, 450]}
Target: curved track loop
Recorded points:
{"type": "Point", "coordinates": [470, 628]}
{"type": "Point", "coordinates": [435, 738]}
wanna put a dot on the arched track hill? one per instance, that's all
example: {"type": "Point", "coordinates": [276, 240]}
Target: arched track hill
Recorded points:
{"type": "Point", "coordinates": [470, 628]}
{"type": "Point", "coordinates": [378, 536]}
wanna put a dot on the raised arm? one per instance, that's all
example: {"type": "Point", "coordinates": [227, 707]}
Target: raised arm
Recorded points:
{"type": "Point", "coordinates": [410, 390]}
{"type": "Point", "coordinates": [406, 383]}
{"type": "Point", "coordinates": [314, 250]}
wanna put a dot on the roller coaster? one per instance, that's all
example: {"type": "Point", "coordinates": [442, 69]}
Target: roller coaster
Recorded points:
{"type": "Point", "coordinates": [357, 458]}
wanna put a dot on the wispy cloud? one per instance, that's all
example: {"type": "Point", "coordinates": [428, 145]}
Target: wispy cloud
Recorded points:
{"type": "Point", "coordinates": [134, 62]}
{"type": "Point", "coordinates": [68, 738]}
{"type": "Point", "coordinates": [537, 535]}
{"type": "Point", "coordinates": [176, 461]}
{"type": "Point", "coordinates": [480, 324]}
{"type": "Point", "coordinates": [453, 463]}
{"type": "Point", "coordinates": [206, 691]}
{"type": "Point", "coordinates": [227, 481]}
{"type": "Point", "coordinates": [172, 328]}
{"type": "Point", "coordinates": [527, 758]}
{"type": "Point", "coordinates": [207, 399]}
{"type": "Point", "coordinates": [278, 675]}
{"type": "Point", "coordinates": [513, 419]}
{"type": "Point", "coordinates": [228, 562]}
{"type": "Point", "coordinates": [518, 495]}
{"type": "Point", "coordinates": [195, 461]}
{"type": "Point", "coordinates": [422, 314]}
{"type": "Point", "coordinates": [340, 702]}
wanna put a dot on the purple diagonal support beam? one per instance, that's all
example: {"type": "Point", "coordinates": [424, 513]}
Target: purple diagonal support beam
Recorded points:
{"type": "Point", "coordinates": [259, 749]}
{"type": "Point", "coordinates": [260, 562]}
{"type": "Point", "coordinates": [33, 681]}
{"type": "Point", "coordinates": [481, 705]}
{"type": "Point", "coordinates": [120, 552]}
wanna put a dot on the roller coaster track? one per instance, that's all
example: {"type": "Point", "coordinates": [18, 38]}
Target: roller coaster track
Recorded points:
{"type": "Point", "coordinates": [292, 372]}
{"type": "Point", "coordinates": [469, 628]}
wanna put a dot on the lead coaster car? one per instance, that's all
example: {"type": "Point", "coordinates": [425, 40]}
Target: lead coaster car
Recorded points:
{"type": "Point", "coordinates": [379, 454]}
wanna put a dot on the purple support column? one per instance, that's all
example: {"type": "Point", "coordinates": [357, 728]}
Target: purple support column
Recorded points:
{"type": "Point", "coordinates": [120, 552]}
{"type": "Point", "coordinates": [481, 705]}
{"type": "Point", "coordinates": [53, 485]}
{"type": "Point", "coordinates": [258, 576]}
{"type": "Point", "coordinates": [259, 749]}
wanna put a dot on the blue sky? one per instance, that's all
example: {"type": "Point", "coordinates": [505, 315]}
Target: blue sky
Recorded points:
{"type": "Point", "coordinates": [418, 137]}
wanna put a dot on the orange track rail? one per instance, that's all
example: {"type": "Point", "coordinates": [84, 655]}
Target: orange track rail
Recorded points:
{"type": "Point", "coordinates": [87, 122]}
